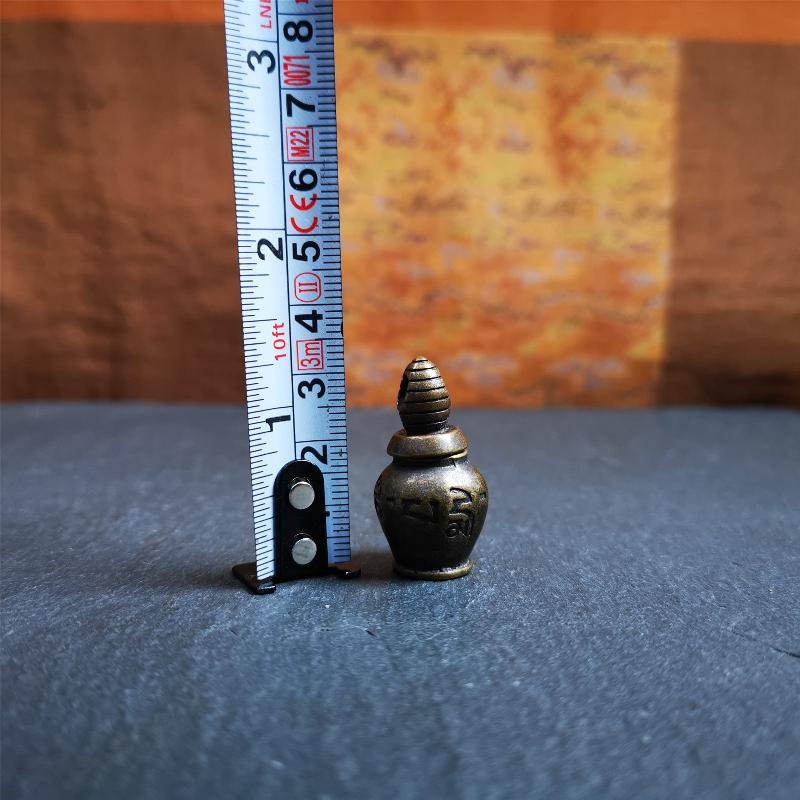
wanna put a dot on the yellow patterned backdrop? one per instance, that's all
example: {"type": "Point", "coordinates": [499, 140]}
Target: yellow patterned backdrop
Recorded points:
{"type": "Point", "coordinates": [505, 211]}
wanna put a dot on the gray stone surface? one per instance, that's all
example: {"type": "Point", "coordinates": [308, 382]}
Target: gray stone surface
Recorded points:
{"type": "Point", "coordinates": [632, 629]}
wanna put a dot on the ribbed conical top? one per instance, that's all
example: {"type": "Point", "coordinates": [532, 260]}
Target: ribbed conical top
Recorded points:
{"type": "Point", "coordinates": [423, 400]}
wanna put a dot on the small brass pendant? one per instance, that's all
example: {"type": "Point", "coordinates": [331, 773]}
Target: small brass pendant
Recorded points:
{"type": "Point", "coordinates": [431, 501]}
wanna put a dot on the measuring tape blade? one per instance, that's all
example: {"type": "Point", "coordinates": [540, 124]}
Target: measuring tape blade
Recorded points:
{"type": "Point", "coordinates": [286, 184]}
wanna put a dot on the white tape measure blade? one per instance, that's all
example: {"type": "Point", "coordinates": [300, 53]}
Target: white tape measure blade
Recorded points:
{"type": "Point", "coordinates": [286, 184]}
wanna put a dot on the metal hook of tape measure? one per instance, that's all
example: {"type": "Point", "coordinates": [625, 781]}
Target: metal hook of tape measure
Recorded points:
{"type": "Point", "coordinates": [301, 538]}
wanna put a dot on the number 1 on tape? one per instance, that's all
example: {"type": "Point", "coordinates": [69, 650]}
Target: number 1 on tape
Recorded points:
{"type": "Point", "coordinates": [286, 185]}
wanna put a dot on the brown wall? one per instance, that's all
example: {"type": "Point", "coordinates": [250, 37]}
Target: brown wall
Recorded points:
{"type": "Point", "coordinates": [733, 322]}
{"type": "Point", "coordinates": [708, 20]}
{"type": "Point", "coordinates": [118, 249]}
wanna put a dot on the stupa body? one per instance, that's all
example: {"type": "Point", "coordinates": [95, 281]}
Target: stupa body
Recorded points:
{"type": "Point", "coordinates": [431, 501]}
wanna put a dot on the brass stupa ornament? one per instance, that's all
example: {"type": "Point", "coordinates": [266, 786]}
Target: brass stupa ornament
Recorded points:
{"type": "Point", "coordinates": [431, 502]}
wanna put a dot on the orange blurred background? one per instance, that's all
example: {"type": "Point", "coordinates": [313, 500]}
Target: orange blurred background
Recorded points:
{"type": "Point", "coordinates": [562, 203]}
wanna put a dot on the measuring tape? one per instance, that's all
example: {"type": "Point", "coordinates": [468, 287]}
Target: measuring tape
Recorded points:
{"type": "Point", "coordinates": [286, 185]}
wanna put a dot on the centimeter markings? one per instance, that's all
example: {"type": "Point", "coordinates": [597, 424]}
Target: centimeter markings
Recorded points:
{"type": "Point", "coordinates": [286, 183]}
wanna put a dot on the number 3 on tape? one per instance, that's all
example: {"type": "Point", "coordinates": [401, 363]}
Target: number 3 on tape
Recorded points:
{"type": "Point", "coordinates": [286, 187]}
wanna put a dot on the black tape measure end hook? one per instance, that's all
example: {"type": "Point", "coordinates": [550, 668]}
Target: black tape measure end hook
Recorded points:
{"type": "Point", "coordinates": [301, 535]}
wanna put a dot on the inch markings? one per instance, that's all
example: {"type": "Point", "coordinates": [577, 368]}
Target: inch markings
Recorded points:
{"type": "Point", "coordinates": [286, 189]}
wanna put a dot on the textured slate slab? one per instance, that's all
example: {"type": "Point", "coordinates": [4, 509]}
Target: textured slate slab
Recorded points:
{"type": "Point", "coordinates": [632, 629]}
